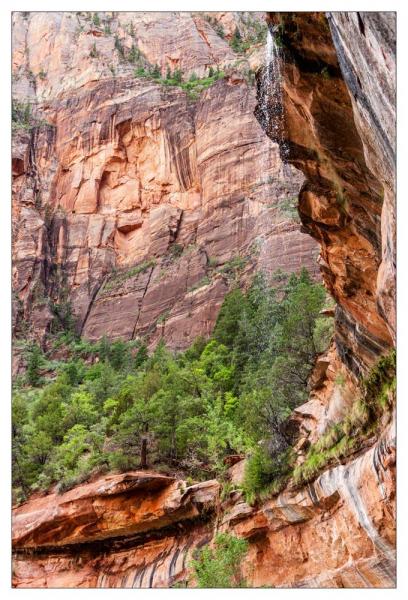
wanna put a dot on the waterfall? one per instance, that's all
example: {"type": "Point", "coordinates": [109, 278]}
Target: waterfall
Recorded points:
{"type": "Point", "coordinates": [270, 110]}
{"type": "Point", "coordinates": [272, 97]}
{"type": "Point", "coordinates": [271, 106]}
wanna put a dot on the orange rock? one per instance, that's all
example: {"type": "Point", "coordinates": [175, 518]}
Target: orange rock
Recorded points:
{"type": "Point", "coordinates": [128, 169]}
{"type": "Point", "coordinates": [140, 529]}
{"type": "Point", "coordinates": [331, 134]}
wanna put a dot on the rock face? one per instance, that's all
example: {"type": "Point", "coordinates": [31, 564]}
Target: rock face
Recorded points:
{"type": "Point", "coordinates": [133, 530]}
{"type": "Point", "coordinates": [140, 530]}
{"type": "Point", "coordinates": [366, 49]}
{"type": "Point", "coordinates": [133, 201]}
{"type": "Point", "coordinates": [339, 531]}
{"type": "Point", "coordinates": [336, 93]}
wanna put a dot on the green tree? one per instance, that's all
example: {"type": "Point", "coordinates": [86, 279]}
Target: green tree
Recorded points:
{"type": "Point", "coordinates": [236, 41]}
{"type": "Point", "coordinates": [35, 361]}
{"type": "Point", "coordinates": [48, 411]}
{"type": "Point", "coordinates": [227, 325]}
{"type": "Point", "coordinates": [73, 372]}
{"type": "Point", "coordinates": [134, 54]}
{"type": "Point", "coordinates": [102, 381]}
{"type": "Point", "coordinates": [119, 355]}
{"type": "Point", "coordinates": [141, 356]}
{"type": "Point", "coordinates": [220, 566]}
{"type": "Point", "coordinates": [231, 393]}
{"type": "Point", "coordinates": [155, 72]}
{"type": "Point", "coordinates": [119, 47]}
{"type": "Point", "coordinates": [20, 420]}
{"type": "Point", "coordinates": [178, 76]}
{"type": "Point", "coordinates": [80, 410]}
{"type": "Point", "coordinates": [96, 20]}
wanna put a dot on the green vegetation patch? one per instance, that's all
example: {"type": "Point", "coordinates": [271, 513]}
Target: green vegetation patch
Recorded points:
{"type": "Point", "coordinates": [21, 115]}
{"type": "Point", "coordinates": [95, 410]}
{"type": "Point", "coordinates": [220, 566]}
{"type": "Point", "coordinates": [121, 276]}
{"type": "Point", "coordinates": [377, 397]}
{"type": "Point", "coordinates": [194, 86]}
{"type": "Point", "coordinates": [204, 281]}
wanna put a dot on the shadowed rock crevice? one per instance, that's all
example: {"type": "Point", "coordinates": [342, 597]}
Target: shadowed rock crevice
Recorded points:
{"type": "Point", "coordinates": [341, 204]}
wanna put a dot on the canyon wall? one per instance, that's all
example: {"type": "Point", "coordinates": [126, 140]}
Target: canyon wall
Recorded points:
{"type": "Point", "coordinates": [141, 529]}
{"type": "Point", "coordinates": [339, 129]}
{"type": "Point", "coordinates": [133, 201]}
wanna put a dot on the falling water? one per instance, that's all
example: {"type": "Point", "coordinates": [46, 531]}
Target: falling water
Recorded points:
{"type": "Point", "coordinates": [279, 185]}
{"type": "Point", "coordinates": [272, 99]}
{"type": "Point", "coordinates": [271, 107]}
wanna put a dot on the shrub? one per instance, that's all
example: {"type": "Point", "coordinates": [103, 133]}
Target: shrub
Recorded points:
{"type": "Point", "coordinates": [155, 72]}
{"type": "Point", "coordinates": [234, 265]}
{"type": "Point", "coordinates": [122, 462]}
{"type": "Point", "coordinates": [96, 20]}
{"type": "Point", "coordinates": [134, 54]}
{"type": "Point", "coordinates": [120, 277]}
{"type": "Point", "coordinates": [228, 320]}
{"type": "Point", "coordinates": [325, 73]}
{"type": "Point", "coordinates": [178, 75]}
{"type": "Point", "coordinates": [236, 41]}
{"type": "Point", "coordinates": [35, 360]}
{"type": "Point", "coordinates": [93, 53]}
{"type": "Point", "coordinates": [323, 333]}
{"type": "Point", "coordinates": [262, 470]}
{"type": "Point", "coordinates": [201, 283]}
{"type": "Point", "coordinates": [20, 114]}
{"type": "Point", "coordinates": [141, 72]}
{"type": "Point", "coordinates": [219, 567]}
{"type": "Point", "coordinates": [119, 47]}
{"type": "Point", "coordinates": [176, 250]}
{"type": "Point", "coordinates": [220, 30]}
{"type": "Point", "coordinates": [258, 470]}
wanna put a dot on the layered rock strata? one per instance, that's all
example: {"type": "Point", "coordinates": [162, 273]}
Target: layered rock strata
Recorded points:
{"type": "Point", "coordinates": [141, 529]}
{"type": "Point", "coordinates": [338, 530]}
{"type": "Point", "coordinates": [133, 530]}
{"type": "Point", "coordinates": [133, 202]}
{"type": "Point", "coordinates": [338, 85]}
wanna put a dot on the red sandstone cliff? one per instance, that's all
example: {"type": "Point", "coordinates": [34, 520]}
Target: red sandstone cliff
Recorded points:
{"type": "Point", "coordinates": [339, 129]}
{"type": "Point", "coordinates": [129, 198]}
{"type": "Point", "coordinates": [139, 530]}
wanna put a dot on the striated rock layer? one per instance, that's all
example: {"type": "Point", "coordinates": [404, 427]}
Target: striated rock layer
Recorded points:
{"type": "Point", "coordinates": [130, 199]}
{"type": "Point", "coordinates": [339, 129]}
{"type": "Point", "coordinates": [141, 529]}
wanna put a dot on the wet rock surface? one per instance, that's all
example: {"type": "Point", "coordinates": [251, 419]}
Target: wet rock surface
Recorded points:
{"type": "Point", "coordinates": [347, 201]}
{"type": "Point", "coordinates": [130, 169]}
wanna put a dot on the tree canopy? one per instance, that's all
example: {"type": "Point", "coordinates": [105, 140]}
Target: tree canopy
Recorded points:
{"type": "Point", "coordinates": [113, 406]}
